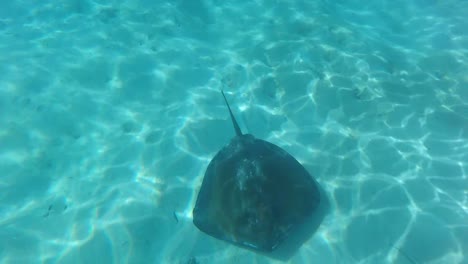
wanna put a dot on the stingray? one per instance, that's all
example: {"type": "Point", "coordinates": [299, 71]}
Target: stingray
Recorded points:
{"type": "Point", "coordinates": [254, 193]}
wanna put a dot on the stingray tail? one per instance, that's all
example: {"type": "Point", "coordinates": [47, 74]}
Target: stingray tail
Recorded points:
{"type": "Point", "coordinates": [234, 122]}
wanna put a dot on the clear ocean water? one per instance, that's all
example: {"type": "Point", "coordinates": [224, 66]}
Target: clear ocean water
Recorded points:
{"type": "Point", "coordinates": [110, 112]}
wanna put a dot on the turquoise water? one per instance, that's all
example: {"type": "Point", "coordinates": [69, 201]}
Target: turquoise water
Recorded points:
{"type": "Point", "coordinates": [110, 112]}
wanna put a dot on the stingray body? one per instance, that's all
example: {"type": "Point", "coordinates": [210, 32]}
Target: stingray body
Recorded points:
{"type": "Point", "coordinates": [254, 193]}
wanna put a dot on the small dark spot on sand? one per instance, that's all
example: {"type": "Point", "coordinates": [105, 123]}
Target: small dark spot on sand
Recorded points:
{"type": "Point", "coordinates": [152, 137]}
{"type": "Point", "coordinates": [357, 94]}
{"type": "Point", "coordinates": [192, 260]}
{"type": "Point", "coordinates": [107, 15]}
{"type": "Point", "coordinates": [40, 108]}
{"type": "Point", "coordinates": [76, 136]}
{"type": "Point", "coordinates": [128, 127]}
{"type": "Point", "coordinates": [48, 211]}
{"type": "Point", "coordinates": [175, 217]}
